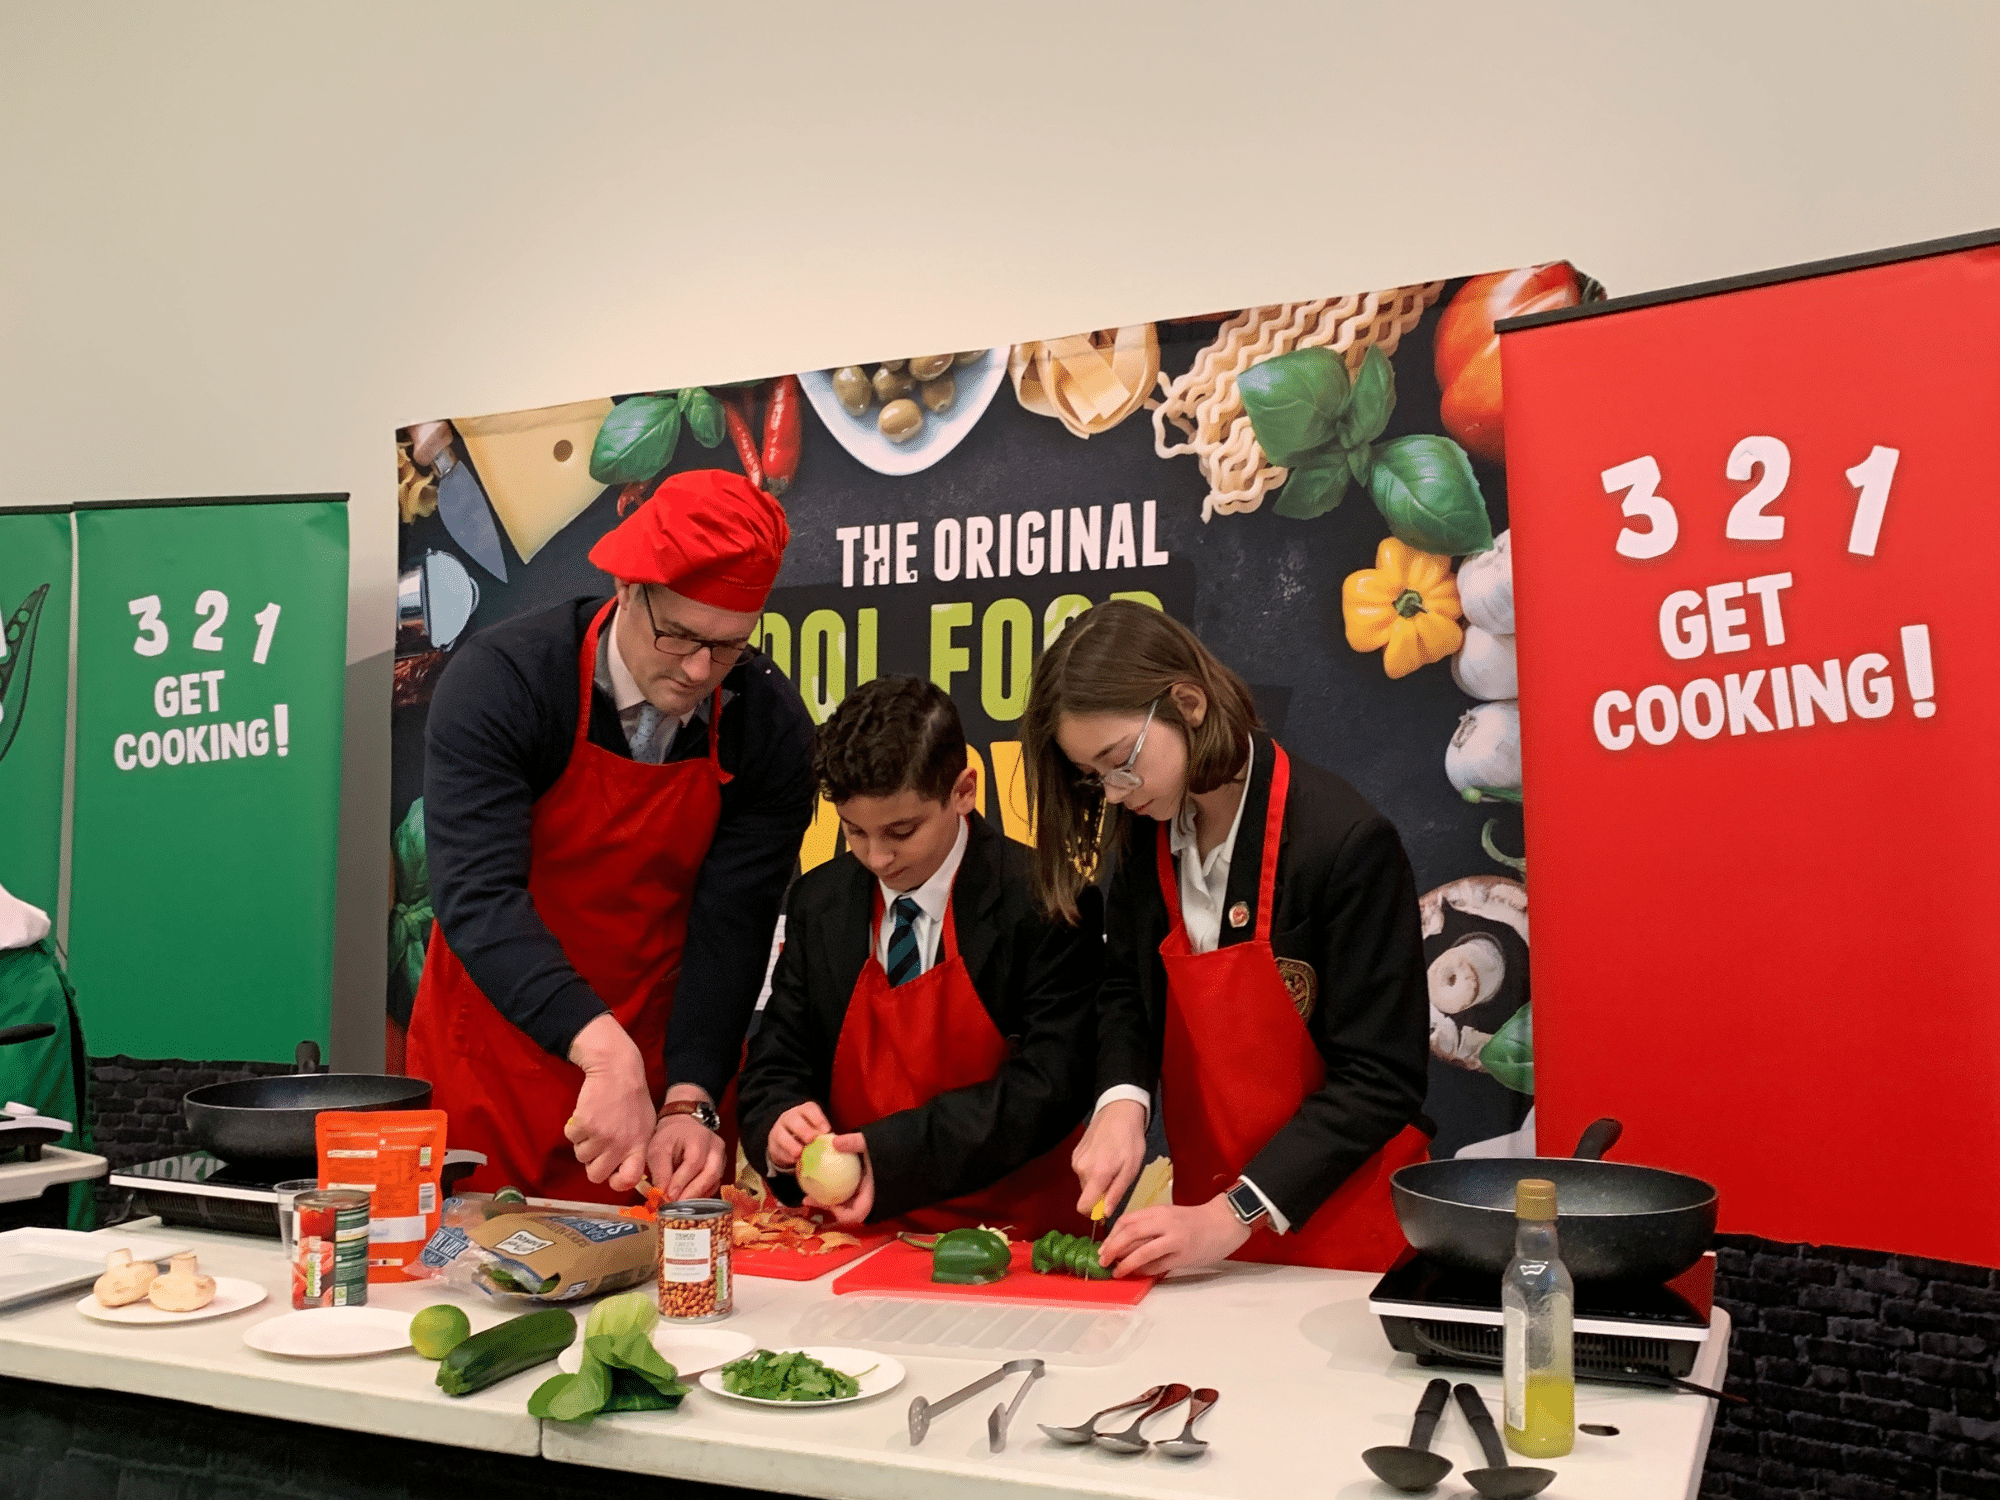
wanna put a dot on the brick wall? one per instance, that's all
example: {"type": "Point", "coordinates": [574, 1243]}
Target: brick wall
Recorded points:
{"type": "Point", "coordinates": [1871, 1376]}
{"type": "Point", "coordinates": [136, 1102]}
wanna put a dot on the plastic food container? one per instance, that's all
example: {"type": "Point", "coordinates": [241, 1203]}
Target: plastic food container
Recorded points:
{"type": "Point", "coordinates": [695, 1284]}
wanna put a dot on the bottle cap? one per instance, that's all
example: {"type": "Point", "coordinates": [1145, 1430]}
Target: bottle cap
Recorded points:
{"type": "Point", "coordinates": [1534, 1198]}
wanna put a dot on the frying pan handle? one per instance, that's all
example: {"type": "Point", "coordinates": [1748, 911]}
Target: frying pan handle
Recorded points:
{"type": "Point", "coordinates": [1428, 1411]}
{"type": "Point", "coordinates": [1599, 1137]}
{"type": "Point", "coordinates": [306, 1059]}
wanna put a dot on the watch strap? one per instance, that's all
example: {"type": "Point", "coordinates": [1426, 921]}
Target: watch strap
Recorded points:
{"type": "Point", "coordinates": [1246, 1202]}
{"type": "Point", "coordinates": [701, 1109]}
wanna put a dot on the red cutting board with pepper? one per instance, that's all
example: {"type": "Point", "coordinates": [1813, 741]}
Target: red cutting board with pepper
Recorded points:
{"type": "Point", "coordinates": [795, 1265]}
{"type": "Point", "coordinates": [903, 1270]}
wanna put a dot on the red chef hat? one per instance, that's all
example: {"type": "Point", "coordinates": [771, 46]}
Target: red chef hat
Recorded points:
{"type": "Point", "coordinates": [707, 534]}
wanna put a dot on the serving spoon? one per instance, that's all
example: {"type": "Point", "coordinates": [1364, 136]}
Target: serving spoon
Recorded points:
{"type": "Point", "coordinates": [1088, 1430]}
{"type": "Point", "coordinates": [1187, 1445]}
{"type": "Point", "coordinates": [1500, 1480]}
{"type": "Point", "coordinates": [1129, 1441]}
{"type": "Point", "coordinates": [1413, 1468]}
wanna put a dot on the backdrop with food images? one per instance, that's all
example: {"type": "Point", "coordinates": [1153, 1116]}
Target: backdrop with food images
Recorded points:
{"type": "Point", "coordinates": [1316, 487]}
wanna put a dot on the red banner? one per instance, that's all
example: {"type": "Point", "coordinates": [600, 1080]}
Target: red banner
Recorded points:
{"type": "Point", "coordinates": [1759, 729]}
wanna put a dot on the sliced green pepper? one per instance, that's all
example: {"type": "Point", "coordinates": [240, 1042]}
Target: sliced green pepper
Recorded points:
{"type": "Point", "coordinates": [970, 1257]}
{"type": "Point", "coordinates": [1056, 1252]}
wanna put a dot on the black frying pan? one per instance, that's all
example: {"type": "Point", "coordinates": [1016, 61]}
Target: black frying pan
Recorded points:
{"type": "Point", "coordinates": [261, 1120]}
{"type": "Point", "coordinates": [1615, 1221]}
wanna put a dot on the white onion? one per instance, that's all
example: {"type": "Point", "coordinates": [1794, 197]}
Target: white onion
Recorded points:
{"type": "Point", "coordinates": [1485, 750]}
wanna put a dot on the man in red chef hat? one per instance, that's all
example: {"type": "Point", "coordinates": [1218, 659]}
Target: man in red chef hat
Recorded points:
{"type": "Point", "coordinates": [614, 794]}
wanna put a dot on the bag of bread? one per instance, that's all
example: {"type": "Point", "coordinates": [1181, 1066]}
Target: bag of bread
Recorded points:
{"type": "Point", "coordinates": [396, 1156]}
{"type": "Point", "coordinates": [543, 1255]}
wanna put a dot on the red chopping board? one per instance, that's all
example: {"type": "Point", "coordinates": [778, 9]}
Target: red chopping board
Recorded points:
{"type": "Point", "coordinates": [903, 1270]}
{"type": "Point", "coordinates": [790, 1265]}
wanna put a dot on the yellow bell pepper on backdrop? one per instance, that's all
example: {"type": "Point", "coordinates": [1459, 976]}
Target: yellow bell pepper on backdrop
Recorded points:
{"type": "Point", "coordinates": [1406, 607]}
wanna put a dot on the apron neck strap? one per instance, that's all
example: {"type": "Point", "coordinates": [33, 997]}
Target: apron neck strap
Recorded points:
{"type": "Point", "coordinates": [1267, 874]}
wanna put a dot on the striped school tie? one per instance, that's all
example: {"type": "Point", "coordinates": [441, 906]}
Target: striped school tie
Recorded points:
{"type": "Point", "coordinates": [904, 961]}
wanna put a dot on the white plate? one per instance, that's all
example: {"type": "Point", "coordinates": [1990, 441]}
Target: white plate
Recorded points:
{"type": "Point", "coordinates": [331, 1333]}
{"type": "Point", "coordinates": [38, 1262]}
{"type": "Point", "coordinates": [232, 1294]}
{"type": "Point", "coordinates": [943, 431]}
{"type": "Point", "coordinates": [884, 1374]}
{"type": "Point", "coordinates": [688, 1350]}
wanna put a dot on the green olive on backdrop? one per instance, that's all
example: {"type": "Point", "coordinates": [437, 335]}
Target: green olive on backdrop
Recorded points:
{"type": "Point", "coordinates": [901, 420]}
{"type": "Point", "coordinates": [968, 357]}
{"type": "Point", "coordinates": [937, 395]}
{"type": "Point", "coordinates": [851, 386]}
{"type": "Point", "coordinates": [892, 364]}
{"type": "Point", "coordinates": [929, 366]}
{"type": "Point", "coordinates": [893, 385]}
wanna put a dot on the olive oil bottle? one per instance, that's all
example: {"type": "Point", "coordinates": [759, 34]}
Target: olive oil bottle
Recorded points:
{"type": "Point", "coordinates": [1536, 1302]}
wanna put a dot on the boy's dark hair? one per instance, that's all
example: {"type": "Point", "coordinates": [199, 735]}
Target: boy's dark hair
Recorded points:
{"type": "Point", "coordinates": [888, 735]}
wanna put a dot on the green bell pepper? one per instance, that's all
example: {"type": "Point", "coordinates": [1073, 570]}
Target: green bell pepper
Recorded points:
{"type": "Point", "coordinates": [970, 1257]}
{"type": "Point", "coordinates": [1072, 1253]}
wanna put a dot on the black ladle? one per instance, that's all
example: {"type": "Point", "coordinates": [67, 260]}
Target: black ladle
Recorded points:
{"type": "Point", "coordinates": [1500, 1480]}
{"type": "Point", "coordinates": [1415, 1467]}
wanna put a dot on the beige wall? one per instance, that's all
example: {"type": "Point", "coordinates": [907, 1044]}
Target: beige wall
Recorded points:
{"type": "Point", "coordinates": [241, 242]}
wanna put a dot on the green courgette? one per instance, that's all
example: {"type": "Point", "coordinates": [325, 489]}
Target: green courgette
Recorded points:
{"type": "Point", "coordinates": [513, 1346]}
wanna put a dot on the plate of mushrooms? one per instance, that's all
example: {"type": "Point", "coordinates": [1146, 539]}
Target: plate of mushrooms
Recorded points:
{"type": "Point", "coordinates": [900, 416]}
{"type": "Point", "coordinates": [138, 1291]}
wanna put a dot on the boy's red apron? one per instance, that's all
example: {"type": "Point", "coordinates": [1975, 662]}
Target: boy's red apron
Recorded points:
{"type": "Point", "coordinates": [903, 1045]}
{"type": "Point", "coordinates": [1236, 1064]}
{"type": "Point", "coordinates": [615, 848]}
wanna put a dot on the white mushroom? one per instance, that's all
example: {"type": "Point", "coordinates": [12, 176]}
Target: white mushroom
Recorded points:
{"type": "Point", "coordinates": [1469, 971]}
{"type": "Point", "coordinates": [124, 1279]}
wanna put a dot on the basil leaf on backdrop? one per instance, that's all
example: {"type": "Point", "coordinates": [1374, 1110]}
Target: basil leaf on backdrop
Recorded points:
{"type": "Point", "coordinates": [1371, 403]}
{"type": "Point", "coordinates": [1361, 463]}
{"type": "Point", "coordinates": [1294, 402]}
{"type": "Point", "coordinates": [1426, 490]}
{"type": "Point", "coordinates": [704, 417]}
{"type": "Point", "coordinates": [1314, 488]}
{"type": "Point", "coordinates": [637, 440]}
{"type": "Point", "coordinates": [1510, 1056]}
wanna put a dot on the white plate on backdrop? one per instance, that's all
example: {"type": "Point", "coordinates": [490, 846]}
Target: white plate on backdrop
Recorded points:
{"type": "Point", "coordinates": [689, 1350]}
{"type": "Point", "coordinates": [331, 1333]}
{"type": "Point", "coordinates": [977, 383]}
{"type": "Point", "coordinates": [232, 1295]}
{"type": "Point", "coordinates": [883, 1374]}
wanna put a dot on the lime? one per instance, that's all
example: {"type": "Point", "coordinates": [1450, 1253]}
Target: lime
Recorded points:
{"type": "Point", "coordinates": [439, 1329]}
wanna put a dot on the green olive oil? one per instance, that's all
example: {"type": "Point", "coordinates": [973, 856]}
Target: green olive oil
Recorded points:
{"type": "Point", "coordinates": [1537, 1298]}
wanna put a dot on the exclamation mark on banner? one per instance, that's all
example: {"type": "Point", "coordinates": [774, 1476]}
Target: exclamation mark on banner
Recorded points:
{"type": "Point", "coordinates": [1917, 668]}
{"type": "Point", "coordinates": [281, 716]}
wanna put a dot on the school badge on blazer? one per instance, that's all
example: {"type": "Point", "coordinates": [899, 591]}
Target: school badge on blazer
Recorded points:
{"type": "Point", "coordinates": [1301, 984]}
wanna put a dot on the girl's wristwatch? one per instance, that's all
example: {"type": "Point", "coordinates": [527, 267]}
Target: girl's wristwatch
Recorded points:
{"type": "Point", "coordinates": [1246, 1202]}
{"type": "Point", "coordinates": [701, 1109]}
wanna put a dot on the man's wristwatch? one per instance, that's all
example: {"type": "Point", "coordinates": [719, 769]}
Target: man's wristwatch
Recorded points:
{"type": "Point", "coordinates": [701, 1109]}
{"type": "Point", "coordinates": [1246, 1203]}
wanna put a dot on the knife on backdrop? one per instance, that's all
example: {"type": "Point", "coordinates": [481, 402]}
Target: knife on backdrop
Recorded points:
{"type": "Point", "coordinates": [462, 504]}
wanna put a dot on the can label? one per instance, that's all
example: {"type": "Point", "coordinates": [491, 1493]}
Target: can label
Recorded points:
{"type": "Point", "coordinates": [330, 1252]}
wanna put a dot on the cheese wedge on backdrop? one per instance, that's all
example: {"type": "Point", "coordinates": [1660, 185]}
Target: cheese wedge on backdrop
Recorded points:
{"type": "Point", "coordinates": [535, 466]}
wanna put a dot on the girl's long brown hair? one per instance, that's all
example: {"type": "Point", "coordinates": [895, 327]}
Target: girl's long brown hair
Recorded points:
{"type": "Point", "coordinates": [1119, 658]}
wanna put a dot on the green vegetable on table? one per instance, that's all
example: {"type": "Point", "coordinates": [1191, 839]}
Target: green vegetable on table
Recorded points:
{"type": "Point", "coordinates": [439, 1329]}
{"type": "Point", "coordinates": [620, 1371]}
{"type": "Point", "coordinates": [796, 1376]}
{"type": "Point", "coordinates": [966, 1257]}
{"type": "Point", "coordinates": [506, 1349]}
{"type": "Point", "coordinates": [1058, 1252]}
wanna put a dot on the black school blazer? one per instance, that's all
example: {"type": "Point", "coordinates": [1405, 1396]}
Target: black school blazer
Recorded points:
{"type": "Point", "coordinates": [1347, 906]}
{"type": "Point", "coordinates": [1037, 979]}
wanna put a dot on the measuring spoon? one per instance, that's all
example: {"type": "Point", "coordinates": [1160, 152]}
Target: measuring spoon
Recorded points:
{"type": "Point", "coordinates": [1129, 1440]}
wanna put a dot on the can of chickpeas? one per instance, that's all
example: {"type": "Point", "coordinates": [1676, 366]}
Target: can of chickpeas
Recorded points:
{"type": "Point", "coordinates": [694, 1261]}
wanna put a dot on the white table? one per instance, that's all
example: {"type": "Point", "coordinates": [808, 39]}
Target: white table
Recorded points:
{"type": "Point", "coordinates": [1306, 1377]}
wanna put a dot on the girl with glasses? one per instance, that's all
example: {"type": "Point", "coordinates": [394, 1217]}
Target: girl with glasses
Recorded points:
{"type": "Point", "coordinates": [1264, 968]}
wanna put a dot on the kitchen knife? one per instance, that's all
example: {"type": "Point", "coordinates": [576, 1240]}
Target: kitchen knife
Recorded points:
{"type": "Point", "coordinates": [466, 515]}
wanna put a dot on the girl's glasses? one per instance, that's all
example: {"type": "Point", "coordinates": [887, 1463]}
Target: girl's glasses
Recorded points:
{"type": "Point", "coordinates": [1124, 778]}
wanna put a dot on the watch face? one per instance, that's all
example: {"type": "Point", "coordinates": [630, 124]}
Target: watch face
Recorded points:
{"type": "Point", "coordinates": [1249, 1207]}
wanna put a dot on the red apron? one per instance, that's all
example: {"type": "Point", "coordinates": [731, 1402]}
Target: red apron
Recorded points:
{"type": "Point", "coordinates": [1236, 1064]}
{"type": "Point", "coordinates": [615, 846]}
{"type": "Point", "coordinates": [903, 1045]}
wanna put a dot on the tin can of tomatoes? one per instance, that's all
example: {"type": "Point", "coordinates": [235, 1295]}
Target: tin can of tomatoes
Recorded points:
{"type": "Point", "coordinates": [330, 1248]}
{"type": "Point", "coordinates": [694, 1261]}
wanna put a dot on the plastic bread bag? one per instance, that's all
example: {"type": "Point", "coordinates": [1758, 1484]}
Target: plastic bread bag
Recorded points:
{"type": "Point", "coordinates": [535, 1256]}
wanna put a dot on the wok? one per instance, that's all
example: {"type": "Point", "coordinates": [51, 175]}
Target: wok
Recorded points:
{"type": "Point", "coordinates": [1616, 1222]}
{"type": "Point", "coordinates": [261, 1120]}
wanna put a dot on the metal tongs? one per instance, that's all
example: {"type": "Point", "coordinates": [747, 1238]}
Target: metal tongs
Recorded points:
{"type": "Point", "coordinates": [921, 1410]}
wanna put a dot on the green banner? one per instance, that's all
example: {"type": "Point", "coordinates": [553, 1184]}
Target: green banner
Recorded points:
{"type": "Point", "coordinates": [211, 649]}
{"type": "Point", "coordinates": [34, 699]}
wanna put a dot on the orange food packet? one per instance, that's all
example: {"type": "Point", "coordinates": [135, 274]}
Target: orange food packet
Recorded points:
{"type": "Point", "coordinates": [396, 1156]}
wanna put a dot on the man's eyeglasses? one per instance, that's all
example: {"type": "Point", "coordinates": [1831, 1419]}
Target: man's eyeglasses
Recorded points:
{"type": "Point", "coordinates": [679, 644]}
{"type": "Point", "coordinates": [1124, 778]}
